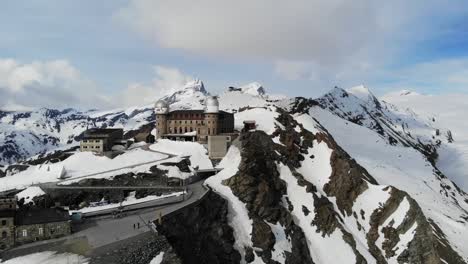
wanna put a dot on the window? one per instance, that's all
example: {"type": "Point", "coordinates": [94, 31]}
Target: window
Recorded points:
{"type": "Point", "coordinates": [4, 222]}
{"type": "Point", "coordinates": [85, 147]}
{"type": "Point", "coordinates": [41, 231]}
{"type": "Point", "coordinates": [4, 234]}
{"type": "Point", "coordinates": [85, 141]}
{"type": "Point", "coordinates": [25, 233]}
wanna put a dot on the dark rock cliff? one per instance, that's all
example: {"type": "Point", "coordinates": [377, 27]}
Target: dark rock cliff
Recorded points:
{"type": "Point", "coordinates": [200, 233]}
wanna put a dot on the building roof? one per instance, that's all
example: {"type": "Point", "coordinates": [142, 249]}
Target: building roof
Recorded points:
{"type": "Point", "coordinates": [194, 111]}
{"type": "Point", "coordinates": [34, 216]}
{"type": "Point", "coordinates": [101, 132]}
{"type": "Point", "coordinates": [94, 131]}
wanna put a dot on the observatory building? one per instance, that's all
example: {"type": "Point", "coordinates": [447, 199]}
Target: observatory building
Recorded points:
{"type": "Point", "coordinates": [193, 125]}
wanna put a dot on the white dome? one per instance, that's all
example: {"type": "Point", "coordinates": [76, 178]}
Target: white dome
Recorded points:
{"type": "Point", "coordinates": [211, 105]}
{"type": "Point", "coordinates": [161, 107]}
{"type": "Point", "coordinates": [212, 101]}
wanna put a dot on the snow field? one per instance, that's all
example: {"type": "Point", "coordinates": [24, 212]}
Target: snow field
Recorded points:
{"type": "Point", "coordinates": [198, 154]}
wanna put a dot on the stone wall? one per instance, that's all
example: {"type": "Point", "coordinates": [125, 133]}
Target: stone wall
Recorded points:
{"type": "Point", "coordinates": [7, 238]}
{"type": "Point", "coordinates": [31, 233]}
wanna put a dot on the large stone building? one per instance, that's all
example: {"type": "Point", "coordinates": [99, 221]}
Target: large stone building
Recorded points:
{"type": "Point", "coordinates": [100, 139]}
{"type": "Point", "coordinates": [193, 125]}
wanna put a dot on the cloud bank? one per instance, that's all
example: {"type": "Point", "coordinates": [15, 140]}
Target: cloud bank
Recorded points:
{"type": "Point", "coordinates": [326, 41]}
{"type": "Point", "coordinates": [58, 84]}
{"type": "Point", "coordinates": [55, 84]}
{"type": "Point", "coordinates": [166, 81]}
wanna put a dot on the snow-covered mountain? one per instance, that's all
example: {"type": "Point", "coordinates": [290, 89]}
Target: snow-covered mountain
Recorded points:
{"type": "Point", "coordinates": [344, 178]}
{"type": "Point", "coordinates": [447, 112]}
{"type": "Point", "coordinates": [25, 134]}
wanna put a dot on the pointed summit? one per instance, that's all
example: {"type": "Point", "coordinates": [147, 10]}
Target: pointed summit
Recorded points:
{"type": "Point", "coordinates": [361, 92]}
{"type": "Point", "coordinates": [254, 88]}
{"type": "Point", "coordinates": [195, 86]}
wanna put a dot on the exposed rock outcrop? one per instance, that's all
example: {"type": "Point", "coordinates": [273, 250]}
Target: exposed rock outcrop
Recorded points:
{"type": "Point", "coordinates": [259, 186]}
{"type": "Point", "coordinates": [200, 233]}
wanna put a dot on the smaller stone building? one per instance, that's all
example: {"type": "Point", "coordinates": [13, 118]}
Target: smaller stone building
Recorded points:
{"type": "Point", "coordinates": [100, 139]}
{"type": "Point", "coordinates": [41, 224]}
{"type": "Point", "coordinates": [32, 224]}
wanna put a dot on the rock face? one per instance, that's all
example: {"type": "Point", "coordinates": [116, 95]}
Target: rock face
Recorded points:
{"type": "Point", "coordinates": [259, 186]}
{"type": "Point", "coordinates": [200, 233]}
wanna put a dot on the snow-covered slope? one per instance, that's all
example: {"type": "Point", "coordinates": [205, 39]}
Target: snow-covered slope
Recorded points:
{"type": "Point", "coordinates": [317, 181]}
{"type": "Point", "coordinates": [431, 127]}
{"type": "Point", "coordinates": [447, 112]}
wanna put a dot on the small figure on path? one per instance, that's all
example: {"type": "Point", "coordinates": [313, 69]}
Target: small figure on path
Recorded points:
{"type": "Point", "coordinates": [134, 226]}
{"type": "Point", "coordinates": [138, 225]}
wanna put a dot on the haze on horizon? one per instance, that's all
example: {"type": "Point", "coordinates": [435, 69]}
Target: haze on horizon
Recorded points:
{"type": "Point", "coordinates": [103, 54]}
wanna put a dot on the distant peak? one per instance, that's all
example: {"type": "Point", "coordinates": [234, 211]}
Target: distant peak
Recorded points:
{"type": "Point", "coordinates": [253, 88]}
{"type": "Point", "coordinates": [407, 92]}
{"type": "Point", "coordinates": [361, 92]}
{"type": "Point", "coordinates": [195, 85]}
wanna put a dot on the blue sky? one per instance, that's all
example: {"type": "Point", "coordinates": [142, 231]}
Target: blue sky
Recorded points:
{"type": "Point", "coordinates": [295, 48]}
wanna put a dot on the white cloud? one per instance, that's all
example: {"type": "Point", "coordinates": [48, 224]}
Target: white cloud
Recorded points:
{"type": "Point", "coordinates": [54, 84]}
{"type": "Point", "coordinates": [325, 42]}
{"type": "Point", "coordinates": [295, 70]}
{"type": "Point", "coordinates": [167, 80]}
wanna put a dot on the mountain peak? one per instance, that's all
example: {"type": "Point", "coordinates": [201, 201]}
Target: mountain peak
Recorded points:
{"type": "Point", "coordinates": [361, 92]}
{"type": "Point", "coordinates": [195, 86]}
{"type": "Point", "coordinates": [253, 88]}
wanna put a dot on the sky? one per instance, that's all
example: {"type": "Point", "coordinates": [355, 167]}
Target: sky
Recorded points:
{"type": "Point", "coordinates": [120, 53]}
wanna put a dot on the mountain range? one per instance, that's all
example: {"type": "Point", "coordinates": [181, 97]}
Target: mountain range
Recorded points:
{"type": "Point", "coordinates": [344, 178]}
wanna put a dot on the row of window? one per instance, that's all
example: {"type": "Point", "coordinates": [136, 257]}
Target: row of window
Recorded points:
{"type": "Point", "coordinates": [92, 147]}
{"type": "Point", "coordinates": [186, 115]}
{"type": "Point", "coordinates": [91, 141]}
{"type": "Point", "coordinates": [40, 231]}
{"type": "Point", "coordinates": [182, 130]}
{"type": "Point", "coordinates": [24, 232]}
